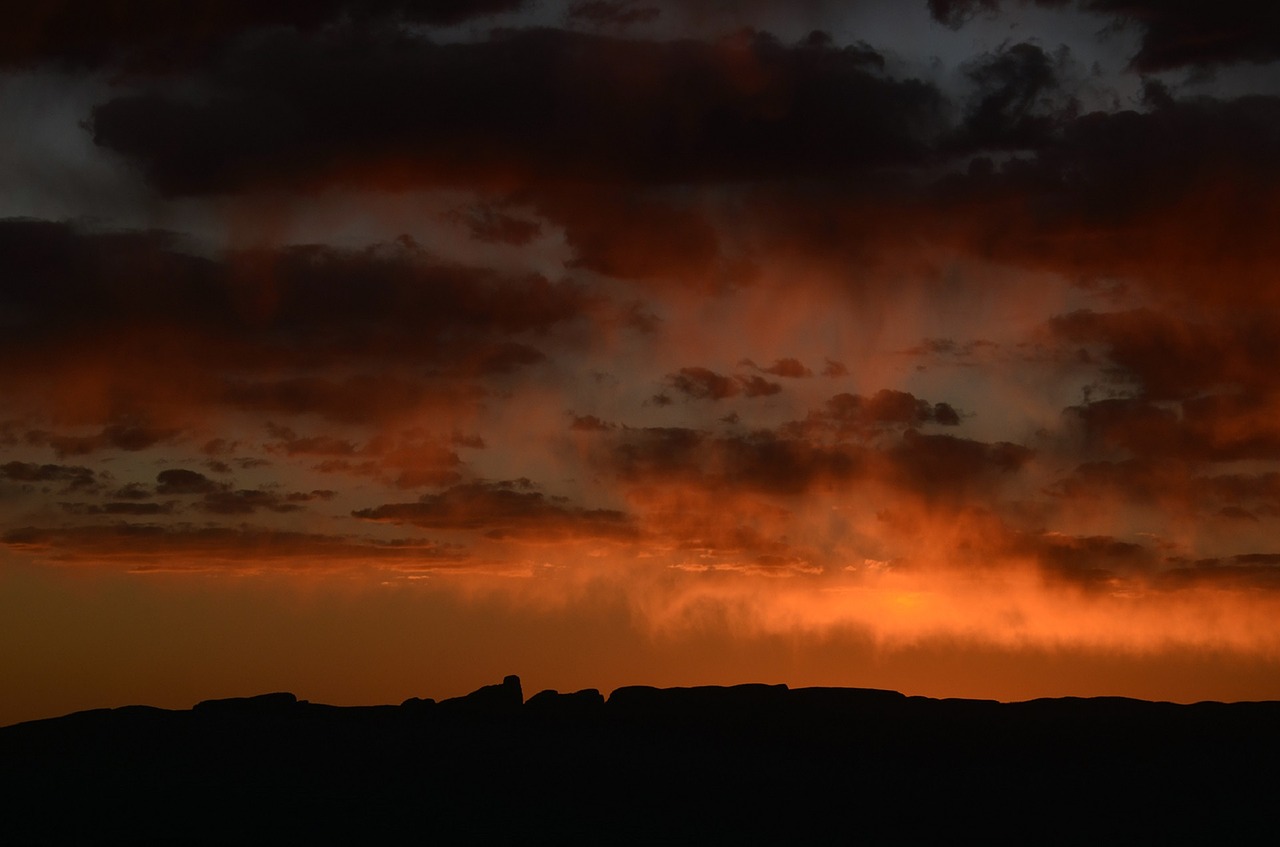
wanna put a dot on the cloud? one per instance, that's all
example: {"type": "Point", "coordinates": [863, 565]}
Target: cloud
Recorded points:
{"type": "Point", "coordinates": [364, 398]}
{"type": "Point", "coordinates": [247, 502]}
{"type": "Point", "coordinates": [406, 460]}
{"type": "Point", "coordinates": [503, 510]}
{"type": "Point", "coordinates": [1174, 34]}
{"type": "Point", "coordinates": [1100, 563]}
{"type": "Point", "coordinates": [1169, 357]}
{"type": "Point", "coordinates": [618, 15]}
{"type": "Point", "coordinates": [632, 233]}
{"type": "Point", "coordinates": [1179, 487]}
{"type": "Point", "coordinates": [148, 36]}
{"type": "Point", "coordinates": [64, 279]}
{"type": "Point", "coordinates": [787, 368]}
{"type": "Point", "coordinates": [954, 13]}
{"type": "Point", "coordinates": [1173, 198]}
{"type": "Point", "coordinates": [143, 547]}
{"type": "Point", "coordinates": [74, 476]}
{"type": "Point", "coordinates": [127, 437]}
{"type": "Point", "coordinates": [1158, 194]}
{"type": "Point", "coordinates": [793, 461]}
{"type": "Point", "coordinates": [171, 332]}
{"type": "Point", "coordinates": [291, 444]}
{"type": "Point", "coordinates": [1080, 452]}
{"type": "Point", "coordinates": [219, 498]}
{"type": "Point", "coordinates": [130, 509]}
{"type": "Point", "coordinates": [1218, 427]}
{"type": "Point", "coordinates": [854, 416]}
{"type": "Point", "coordinates": [183, 481]}
{"type": "Point", "coordinates": [134, 491]}
{"type": "Point", "coordinates": [528, 105]}
{"type": "Point", "coordinates": [493, 226]}
{"type": "Point", "coordinates": [590, 423]}
{"type": "Point", "coordinates": [944, 464]}
{"type": "Point", "coordinates": [1198, 33]}
{"type": "Point", "coordinates": [1017, 103]}
{"type": "Point", "coordinates": [704, 384]}
{"type": "Point", "coordinates": [1250, 572]}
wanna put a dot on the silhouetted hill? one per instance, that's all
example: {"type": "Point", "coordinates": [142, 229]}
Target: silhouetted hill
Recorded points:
{"type": "Point", "coordinates": [707, 765]}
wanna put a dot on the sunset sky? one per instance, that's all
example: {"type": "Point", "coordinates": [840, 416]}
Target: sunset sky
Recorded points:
{"type": "Point", "coordinates": [375, 350]}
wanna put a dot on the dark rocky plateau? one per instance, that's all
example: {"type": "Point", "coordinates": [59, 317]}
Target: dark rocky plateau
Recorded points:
{"type": "Point", "coordinates": [744, 764]}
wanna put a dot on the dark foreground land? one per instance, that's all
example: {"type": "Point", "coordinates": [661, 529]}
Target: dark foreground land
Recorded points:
{"type": "Point", "coordinates": [747, 764]}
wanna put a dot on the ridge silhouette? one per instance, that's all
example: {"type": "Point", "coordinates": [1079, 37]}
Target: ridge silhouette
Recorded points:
{"type": "Point", "coordinates": [708, 764]}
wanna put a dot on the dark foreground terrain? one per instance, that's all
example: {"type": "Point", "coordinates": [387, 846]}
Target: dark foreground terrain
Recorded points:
{"type": "Point", "coordinates": [746, 764]}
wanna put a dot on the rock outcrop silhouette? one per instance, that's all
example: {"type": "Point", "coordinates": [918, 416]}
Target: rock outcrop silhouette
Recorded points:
{"type": "Point", "coordinates": [506, 698]}
{"type": "Point", "coordinates": [739, 764]}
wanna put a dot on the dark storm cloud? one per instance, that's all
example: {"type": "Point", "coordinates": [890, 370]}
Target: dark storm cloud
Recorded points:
{"type": "Point", "coordinates": [758, 461]}
{"type": "Point", "coordinates": [256, 330]}
{"type": "Point", "coordinates": [1175, 33]}
{"type": "Point", "coordinates": [630, 233]}
{"type": "Point", "coordinates": [847, 412]}
{"type": "Point", "coordinates": [945, 466]}
{"type": "Point", "coordinates": [590, 423]}
{"type": "Point", "coordinates": [491, 359]}
{"type": "Point", "coordinates": [1137, 479]}
{"type": "Point", "coordinates": [787, 368]}
{"type": "Point", "coordinates": [526, 104]}
{"type": "Point", "coordinates": [563, 124]}
{"type": "Point", "coordinates": [1096, 562]}
{"type": "Point", "coordinates": [1168, 357]}
{"type": "Point", "coordinates": [1131, 425]}
{"type": "Point", "coordinates": [1214, 428]}
{"type": "Point", "coordinates": [73, 476]}
{"type": "Point", "coordinates": [291, 444]}
{"type": "Point", "coordinates": [1176, 198]}
{"type": "Point", "coordinates": [1199, 389]}
{"type": "Point", "coordinates": [158, 35]}
{"type": "Point", "coordinates": [401, 462]}
{"type": "Point", "coordinates": [1257, 491]}
{"type": "Point", "coordinates": [222, 498]}
{"type": "Point", "coordinates": [1176, 485]}
{"type": "Point", "coordinates": [1014, 104]}
{"type": "Point", "coordinates": [128, 437]}
{"type": "Point", "coordinates": [704, 384]}
{"type": "Point", "coordinates": [493, 226]}
{"type": "Point", "coordinates": [1110, 167]}
{"type": "Point", "coordinates": [119, 509]}
{"type": "Point", "coordinates": [851, 415]}
{"type": "Point", "coordinates": [955, 13]}
{"type": "Point", "coordinates": [402, 288]}
{"type": "Point", "coordinates": [146, 546]}
{"type": "Point", "coordinates": [619, 15]}
{"type": "Point", "coordinates": [1246, 571]}
{"type": "Point", "coordinates": [1200, 32]}
{"type": "Point", "coordinates": [503, 510]}
{"type": "Point", "coordinates": [795, 460]}
{"type": "Point", "coordinates": [356, 399]}
{"type": "Point", "coordinates": [247, 502]}
{"type": "Point", "coordinates": [183, 481]}
{"type": "Point", "coordinates": [135, 491]}
{"type": "Point", "coordinates": [59, 277]}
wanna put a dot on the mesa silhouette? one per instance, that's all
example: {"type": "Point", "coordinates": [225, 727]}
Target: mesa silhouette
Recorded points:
{"type": "Point", "coordinates": [704, 765]}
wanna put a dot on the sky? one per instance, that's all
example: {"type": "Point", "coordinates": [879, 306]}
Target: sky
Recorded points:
{"type": "Point", "coordinates": [376, 350]}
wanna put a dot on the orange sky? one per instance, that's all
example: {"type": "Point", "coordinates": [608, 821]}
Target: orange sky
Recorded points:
{"type": "Point", "coordinates": [866, 345]}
